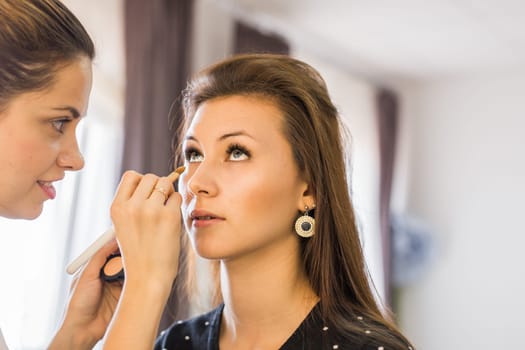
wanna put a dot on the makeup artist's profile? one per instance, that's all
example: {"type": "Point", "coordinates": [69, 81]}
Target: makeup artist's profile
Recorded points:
{"type": "Point", "coordinates": [45, 80]}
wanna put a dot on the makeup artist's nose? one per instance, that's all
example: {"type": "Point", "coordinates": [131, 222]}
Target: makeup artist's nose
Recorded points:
{"type": "Point", "coordinates": [200, 182]}
{"type": "Point", "coordinates": [70, 157]}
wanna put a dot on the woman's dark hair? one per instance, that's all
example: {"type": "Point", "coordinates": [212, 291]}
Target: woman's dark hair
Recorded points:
{"type": "Point", "coordinates": [333, 258]}
{"type": "Point", "coordinates": [37, 37]}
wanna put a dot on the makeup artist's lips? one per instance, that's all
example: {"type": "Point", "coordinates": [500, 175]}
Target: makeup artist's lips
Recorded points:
{"type": "Point", "coordinates": [202, 218]}
{"type": "Point", "coordinates": [47, 187]}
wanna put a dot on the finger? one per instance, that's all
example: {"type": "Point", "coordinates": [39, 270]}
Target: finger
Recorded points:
{"type": "Point", "coordinates": [74, 282]}
{"type": "Point", "coordinates": [99, 258]}
{"type": "Point", "coordinates": [159, 194]}
{"type": "Point", "coordinates": [127, 186]}
{"type": "Point", "coordinates": [165, 185]}
{"type": "Point", "coordinates": [76, 279]}
{"type": "Point", "coordinates": [162, 190]}
{"type": "Point", "coordinates": [173, 203]}
{"type": "Point", "coordinates": [145, 187]}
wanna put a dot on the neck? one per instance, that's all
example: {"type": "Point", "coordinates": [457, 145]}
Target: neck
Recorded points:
{"type": "Point", "coordinates": [265, 293]}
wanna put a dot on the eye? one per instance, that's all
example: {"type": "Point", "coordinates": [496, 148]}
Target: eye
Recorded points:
{"type": "Point", "coordinates": [59, 124]}
{"type": "Point", "coordinates": [237, 153]}
{"type": "Point", "coordinates": [193, 156]}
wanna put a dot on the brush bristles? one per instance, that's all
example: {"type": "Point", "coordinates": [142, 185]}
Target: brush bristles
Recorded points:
{"type": "Point", "coordinates": [175, 175]}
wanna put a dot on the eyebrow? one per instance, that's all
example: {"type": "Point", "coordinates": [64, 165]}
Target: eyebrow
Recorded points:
{"type": "Point", "coordinates": [225, 136]}
{"type": "Point", "coordinates": [71, 110]}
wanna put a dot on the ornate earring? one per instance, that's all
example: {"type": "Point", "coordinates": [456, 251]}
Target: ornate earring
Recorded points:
{"type": "Point", "coordinates": [305, 224]}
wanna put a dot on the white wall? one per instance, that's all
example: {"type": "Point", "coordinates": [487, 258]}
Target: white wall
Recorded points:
{"type": "Point", "coordinates": [213, 30]}
{"type": "Point", "coordinates": [355, 101]}
{"type": "Point", "coordinates": [468, 181]}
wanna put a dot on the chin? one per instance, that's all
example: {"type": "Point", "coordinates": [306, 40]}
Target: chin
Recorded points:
{"type": "Point", "coordinates": [208, 251]}
{"type": "Point", "coordinates": [28, 214]}
{"type": "Point", "coordinates": [202, 252]}
{"type": "Point", "coordinates": [209, 256]}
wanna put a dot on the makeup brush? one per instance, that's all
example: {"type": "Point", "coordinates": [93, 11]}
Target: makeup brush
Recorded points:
{"type": "Point", "coordinates": [107, 236]}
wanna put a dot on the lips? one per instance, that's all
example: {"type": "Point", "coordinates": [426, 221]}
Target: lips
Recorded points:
{"type": "Point", "coordinates": [199, 214]}
{"type": "Point", "coordinates": [201, 218]}
{"type": "Point", "coordinates": [48, 188]}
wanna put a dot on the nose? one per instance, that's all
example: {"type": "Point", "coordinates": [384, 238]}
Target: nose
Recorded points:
{"type": "Point", "coordinates": [70, 157]}
{"type": "Point", "coordinates": [200, 182]}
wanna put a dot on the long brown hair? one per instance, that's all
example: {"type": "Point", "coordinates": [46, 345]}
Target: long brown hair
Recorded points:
{"type": "Point", "coordinates": [333, 258]}
{"type": "Point", "coordinates": [37, 37]}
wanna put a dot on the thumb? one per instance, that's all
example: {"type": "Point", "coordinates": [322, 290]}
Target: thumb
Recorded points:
{"type": "Point", "coordinates": [99, 258]}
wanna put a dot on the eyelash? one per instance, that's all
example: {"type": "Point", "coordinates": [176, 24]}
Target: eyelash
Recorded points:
{"type": "Point", "coordinates": [62, 123]}
{"type": "Point", "coordinates": [192, 151]}
{"type": "Point", "coordinates": [189, 153]}
{"type": "Point", "coordinates": [236, 147]}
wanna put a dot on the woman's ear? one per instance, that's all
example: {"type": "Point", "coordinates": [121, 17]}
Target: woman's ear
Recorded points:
{"type": "Point", "coordinates": [307, 199]}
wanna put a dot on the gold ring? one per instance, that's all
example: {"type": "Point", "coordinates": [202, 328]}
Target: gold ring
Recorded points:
{"type": "Point", "coordinates": [163, 191]}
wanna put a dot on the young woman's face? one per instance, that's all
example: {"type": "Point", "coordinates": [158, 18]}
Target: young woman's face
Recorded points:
{"type": "Point", "coordinates": [38, 141]}
{"type": "Point", "coordinates": [241, 190]}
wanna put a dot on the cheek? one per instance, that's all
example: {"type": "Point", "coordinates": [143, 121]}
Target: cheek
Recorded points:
{"type": "Point", "coordinates": [37, 154]}
{"type": "Point", "coordinates": [183, 190]}
{"type": "Point", "coordinates": [19, 153]}
{"type": "Point", "coordinates": [186, 198]}
{"type": "Point", "coordinates": [268, 204]}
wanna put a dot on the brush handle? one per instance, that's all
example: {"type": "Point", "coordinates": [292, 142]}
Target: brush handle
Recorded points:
{"type": "Point", "coordinates": [90, 251]}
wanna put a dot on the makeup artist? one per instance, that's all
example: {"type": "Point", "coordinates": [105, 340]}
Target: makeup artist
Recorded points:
{"type": "Point", "coordinates": [45, 81]}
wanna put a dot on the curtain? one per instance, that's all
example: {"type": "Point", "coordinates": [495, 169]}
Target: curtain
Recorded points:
{"type": "Point", "coordinates": [157, 39]}
{"type": "Point", "coordinates": [387, 117]}
{"type": "Point", "coordinates": [157, 66]}
{"type": "Point", "coordinates": [248, 39]}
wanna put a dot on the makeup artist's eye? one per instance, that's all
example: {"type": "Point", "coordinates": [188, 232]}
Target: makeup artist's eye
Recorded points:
{"type": "Point", "coordinates": [59, 124]}
{"type": "Point", "coordinates": [192, 155]}
{"type": "Point", "coordinates": [237, 153]}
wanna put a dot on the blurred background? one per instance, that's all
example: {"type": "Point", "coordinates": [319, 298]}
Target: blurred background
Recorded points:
{"type": "Point", "coordinates": [432, 93]}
